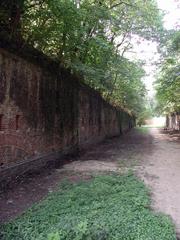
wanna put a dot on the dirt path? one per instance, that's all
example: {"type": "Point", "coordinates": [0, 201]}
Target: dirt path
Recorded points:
{"type": "Point", "coordinates": [161, 172]}
{"type": "Point", "coordinates": [154, 156]}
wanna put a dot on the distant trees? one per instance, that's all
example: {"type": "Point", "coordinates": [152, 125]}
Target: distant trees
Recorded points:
{"type": "Point", "coordinates": [168, 82]}
{"type": "Point", "coordinates": [91, 38]}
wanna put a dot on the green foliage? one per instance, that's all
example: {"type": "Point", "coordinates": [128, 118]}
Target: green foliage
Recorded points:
{"type": "Point", "coordinates": [92, 37]}
{"type": "Point", "coordinates": [147, 111]}
{"type": "Point", "coordinates": [108, 207]}
{"type": "Point", "coordinates": [168, 82]}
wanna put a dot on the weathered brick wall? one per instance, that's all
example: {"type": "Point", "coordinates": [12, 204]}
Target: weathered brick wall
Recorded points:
{"type": "Point", "coordinates": [48, 112]}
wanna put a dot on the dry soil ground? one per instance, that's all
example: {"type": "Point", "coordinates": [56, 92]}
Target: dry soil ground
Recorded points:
{"type": "Point", "coordinates": [153, 154]}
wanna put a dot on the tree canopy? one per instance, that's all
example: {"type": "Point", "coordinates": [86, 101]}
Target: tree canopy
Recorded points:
{"type": "Point", "coordinates": [91, 38]}
{"type": "Point", "coordinates": [168, 82]}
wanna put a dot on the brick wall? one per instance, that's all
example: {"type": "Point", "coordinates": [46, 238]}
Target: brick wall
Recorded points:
{"type": "Point", "coordinates": [46, 111]}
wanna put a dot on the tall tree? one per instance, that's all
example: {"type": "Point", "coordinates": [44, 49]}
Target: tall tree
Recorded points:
{"type": "Point", "coordinates": [168, 82]}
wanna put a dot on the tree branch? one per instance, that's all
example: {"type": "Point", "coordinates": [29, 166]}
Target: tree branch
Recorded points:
{"type": "Point", "coordinates": [120, 3]}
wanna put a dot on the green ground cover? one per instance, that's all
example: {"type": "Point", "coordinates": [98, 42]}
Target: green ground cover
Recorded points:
{"type": "Point", "coordinates": [143, 129]}
{"type": "Point", "coordinates": [113, 207]}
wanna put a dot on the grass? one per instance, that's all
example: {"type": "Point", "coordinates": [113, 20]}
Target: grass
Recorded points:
{"type": "Point", "coordinates": [143, 130]}
{"type": "Point", "coordinates": [109, 207]}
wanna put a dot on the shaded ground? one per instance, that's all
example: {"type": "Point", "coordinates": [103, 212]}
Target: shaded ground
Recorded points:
{"type": "Point", "coordinates": [154, 156]}
{"type": "Point", "coordinates": [108, 156]}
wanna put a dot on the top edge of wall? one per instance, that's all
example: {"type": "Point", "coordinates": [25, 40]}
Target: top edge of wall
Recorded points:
{"type": "Point", "coordinates": [38, 58]}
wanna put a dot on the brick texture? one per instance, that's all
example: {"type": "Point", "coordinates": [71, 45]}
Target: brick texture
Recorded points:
{"type": "Point", "coordinates": [44, 112]}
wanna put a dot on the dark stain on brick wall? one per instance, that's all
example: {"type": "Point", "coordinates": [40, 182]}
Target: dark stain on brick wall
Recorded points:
{"type": "Point", "coordinates": [3, 82]}
{"type": "Point", "coordinates": [18, 83]}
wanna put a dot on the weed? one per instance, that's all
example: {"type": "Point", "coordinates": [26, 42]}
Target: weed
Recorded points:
{"type": "Point", "coordinates": [109, 207]}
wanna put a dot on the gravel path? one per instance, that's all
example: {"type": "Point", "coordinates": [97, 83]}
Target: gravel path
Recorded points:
{"type": "Point", "coordinates": [161, 172]}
